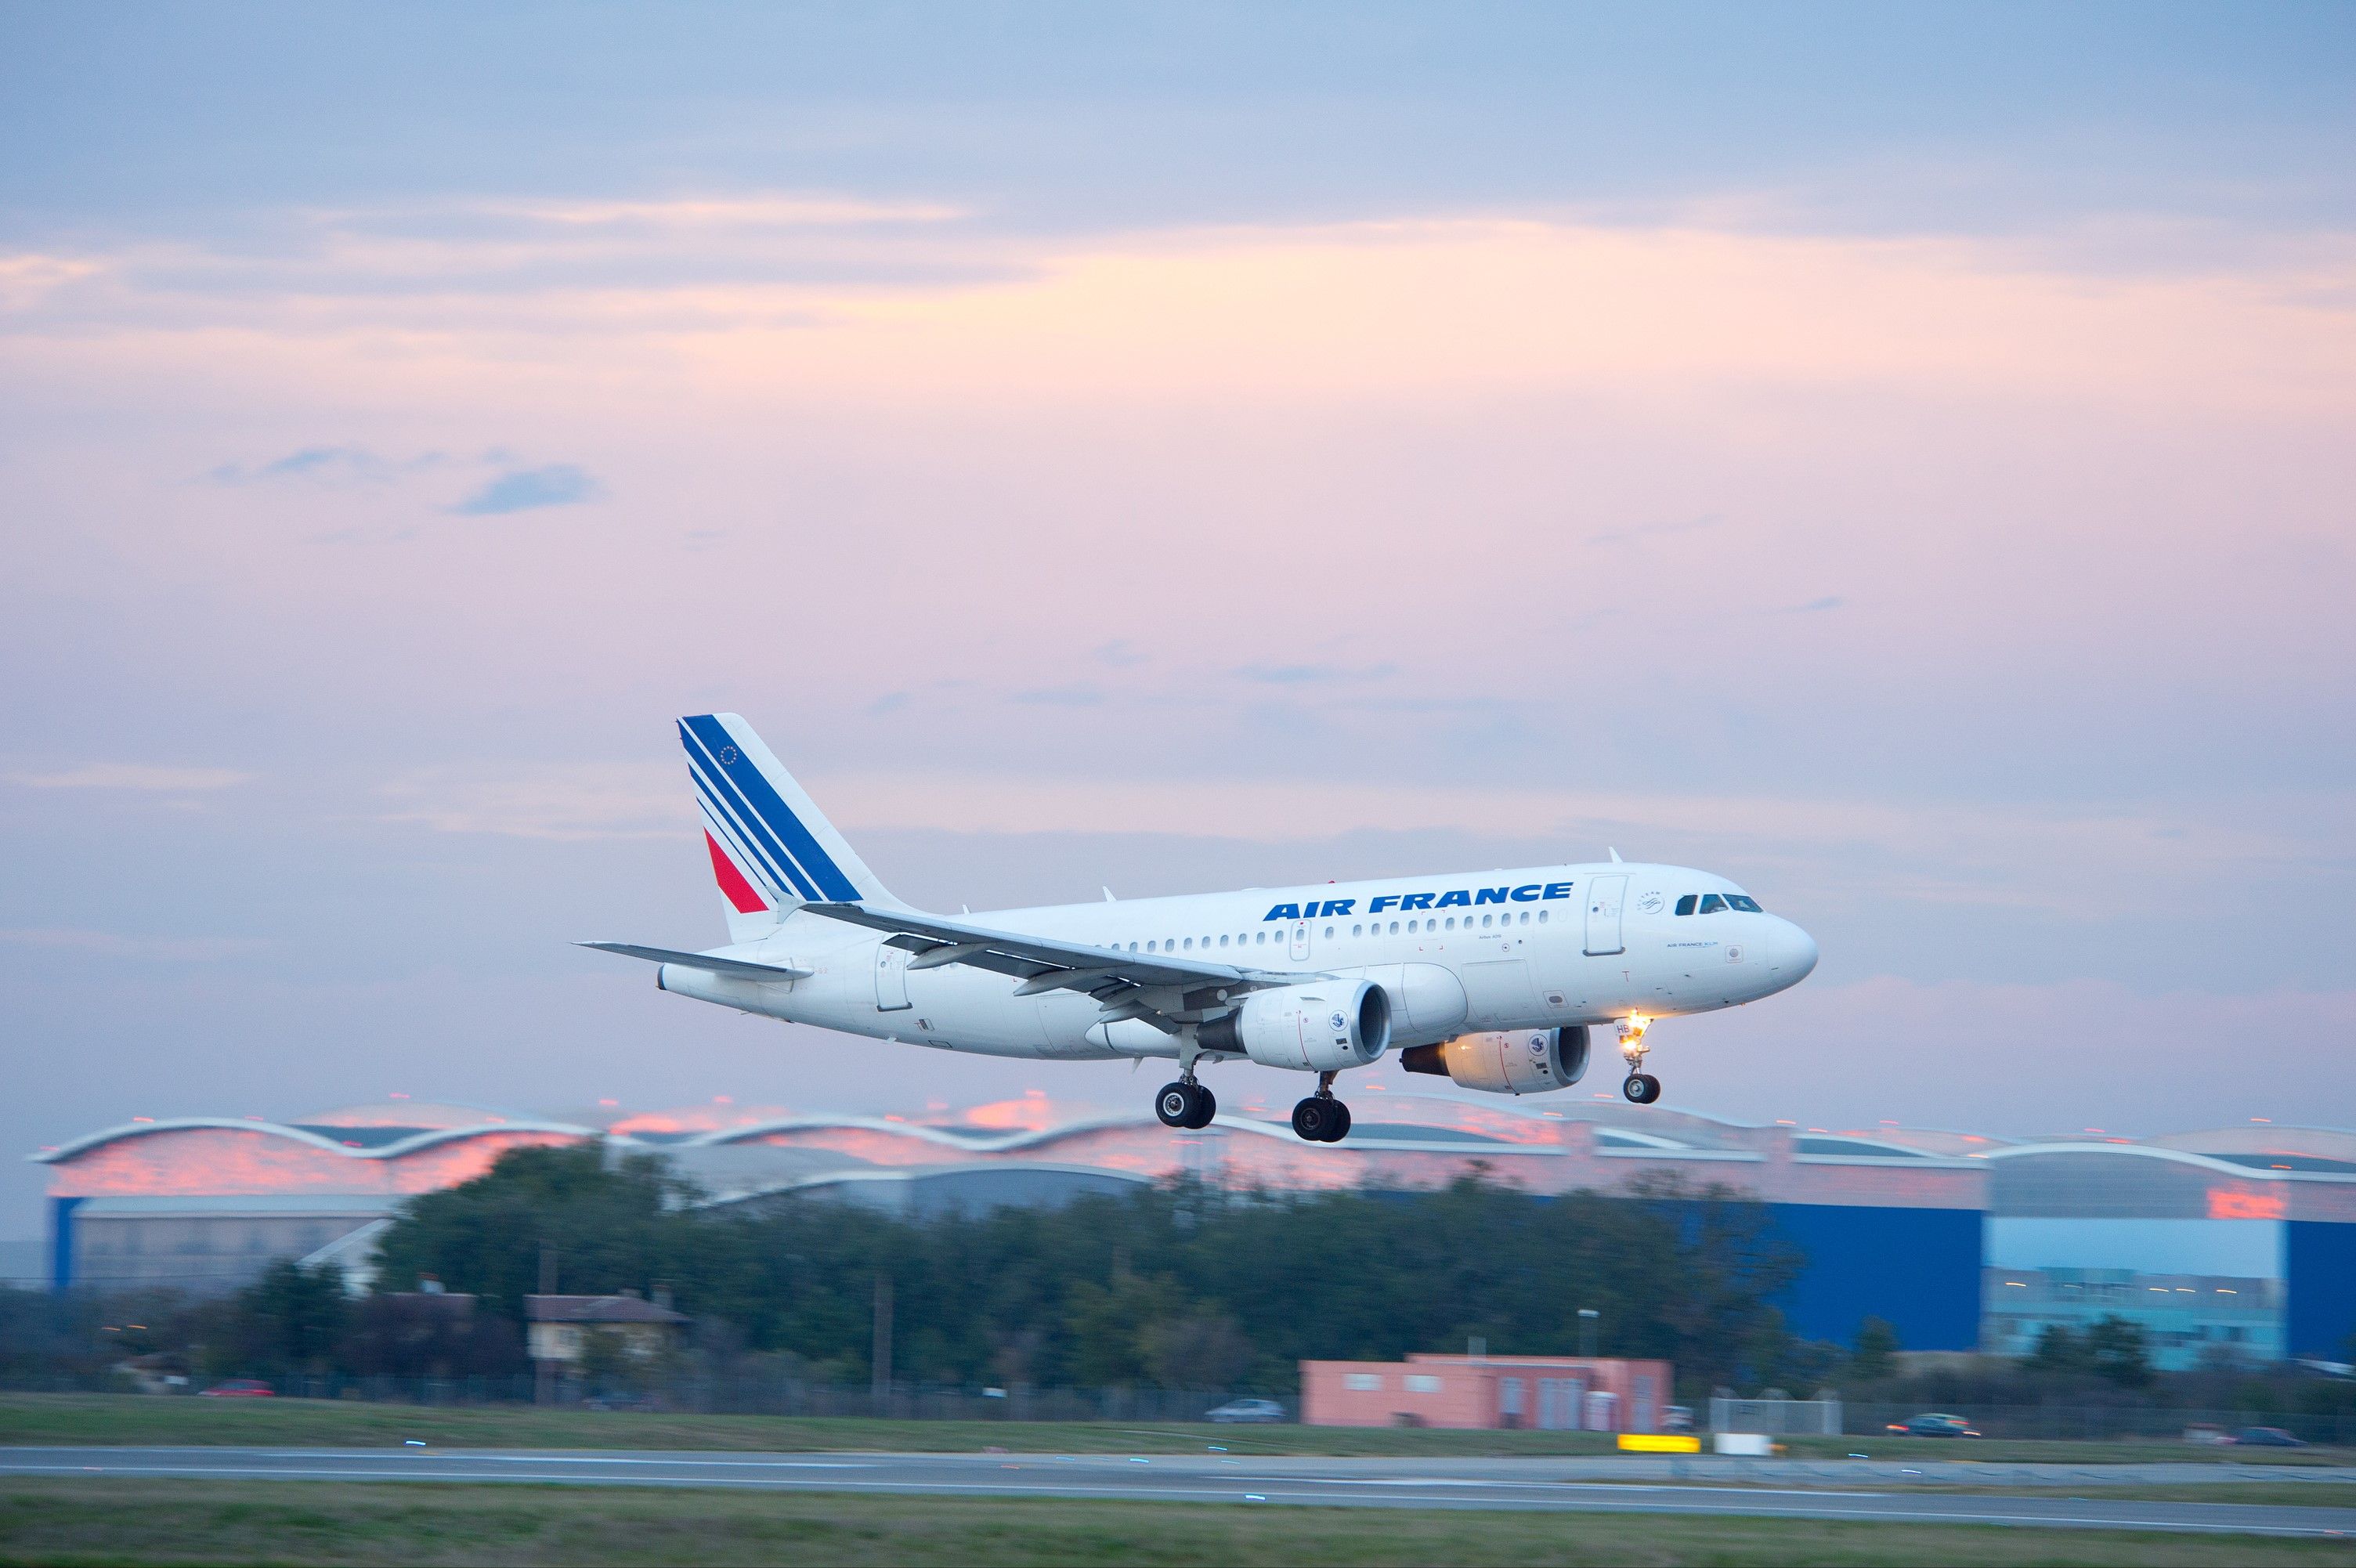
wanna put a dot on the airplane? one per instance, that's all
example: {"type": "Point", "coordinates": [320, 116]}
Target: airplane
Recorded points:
{"type": "Point", "coordinates": [1493, 979]}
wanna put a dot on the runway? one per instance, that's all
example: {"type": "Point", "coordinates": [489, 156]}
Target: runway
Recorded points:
{"type": "Point", "coordinates": [1568, 1486]}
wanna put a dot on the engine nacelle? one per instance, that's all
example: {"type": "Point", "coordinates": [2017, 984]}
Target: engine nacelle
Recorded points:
{"type": "Point", "coordinates": [1517, 1061]}
{"type": "Point", "coordinates": [1318, 1028]}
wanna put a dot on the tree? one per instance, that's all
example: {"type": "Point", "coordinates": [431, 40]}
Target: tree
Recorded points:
{"type": "Point", "coordinates": [1876, 1356]}
{"type": "Point", "coordinates": [291, 1320]}
{"type": "Point", "coordinates": [2060, 1351]}
{"type": "Point", "coordinates": [408, 1335]}
{"type": "Point", "coordinates": [2115, 1348]}
{"type": "Point", "coordinates": [1237, 1287]}
{"type": "Point", "coordinates": [1202, 1350]}
{"type": "Point", "coordinates": [612, 1223]}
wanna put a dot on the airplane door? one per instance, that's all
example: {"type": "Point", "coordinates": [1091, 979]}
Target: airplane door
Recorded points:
{"type": "Point", "coordinates": [1604, 894]}
{"type": "Point", "coordinates": [1301, 939]}
{"type": "Point", "coordinates": [890, 979]}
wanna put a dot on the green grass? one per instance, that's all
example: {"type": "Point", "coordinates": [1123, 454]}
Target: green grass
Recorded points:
{"type": "Point", "coordinates": [2292, 1494]}
{"type": "Point", "coordinates": [134, 1420]}
{"type": "Point", "coordinates": [74, 1522]}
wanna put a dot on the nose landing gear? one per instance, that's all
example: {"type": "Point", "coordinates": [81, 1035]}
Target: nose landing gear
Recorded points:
{"type": "Point", "coordinates": [1320, 1118]}
{"type": "Point", "coordinates": [1642, 1088]}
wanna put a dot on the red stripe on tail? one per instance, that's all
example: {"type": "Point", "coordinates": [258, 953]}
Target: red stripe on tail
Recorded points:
{"type": "Point", "coordinates": [739, 892]}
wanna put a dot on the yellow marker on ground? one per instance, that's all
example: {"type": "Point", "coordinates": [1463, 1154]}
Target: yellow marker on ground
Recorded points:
{"type": "Point", "coordinates": [1659, 1443]}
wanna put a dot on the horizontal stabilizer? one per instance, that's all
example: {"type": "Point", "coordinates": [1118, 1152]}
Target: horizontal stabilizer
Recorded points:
{"type": "Point", "coordinates": [735, 968]}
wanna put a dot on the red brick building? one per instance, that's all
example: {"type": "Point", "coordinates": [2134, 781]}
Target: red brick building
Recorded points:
{"type": "Point", "coordinates": [1555, 1393]}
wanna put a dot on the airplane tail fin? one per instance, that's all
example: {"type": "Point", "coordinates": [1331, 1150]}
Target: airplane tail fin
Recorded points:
{"type": "Point", "coordinates": [772, 848]}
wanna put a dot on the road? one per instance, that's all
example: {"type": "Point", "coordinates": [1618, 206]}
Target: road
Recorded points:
{"type": "Point", "coordinates": [1560, 1485]}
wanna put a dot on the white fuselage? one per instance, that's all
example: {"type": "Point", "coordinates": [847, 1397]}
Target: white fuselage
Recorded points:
{"type": "Point", "coordinates": [1537, 948]}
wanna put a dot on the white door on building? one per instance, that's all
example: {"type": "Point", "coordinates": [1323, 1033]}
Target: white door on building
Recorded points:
{"type": "Point", "coordinates": [1558, 1403]}
{"type": "Point", "coordinates": [1604, 896]}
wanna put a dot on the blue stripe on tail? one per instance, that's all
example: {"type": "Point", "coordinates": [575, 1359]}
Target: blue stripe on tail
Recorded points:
{"type": "Point", "coordinates": [744, 832]}
{"type": "Point", "coordinates": [764, 807]}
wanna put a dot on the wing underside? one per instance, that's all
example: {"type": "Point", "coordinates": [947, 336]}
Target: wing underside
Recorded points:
{"type": "Point", "coordinates": [1161, 989]}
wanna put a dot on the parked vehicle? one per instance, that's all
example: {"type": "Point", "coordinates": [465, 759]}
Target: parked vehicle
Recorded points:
{"type": "Point", "coordinates": [2266, 1437]}
{"type": "Point", "coordinates": [1677, 1418]}
{"type": "Point", "coordinates": [240, 1389]}
{"type": "Point", "coordinates": [1248, 1410]}
{"type": "Point", "coordinates": [1932, 1423]}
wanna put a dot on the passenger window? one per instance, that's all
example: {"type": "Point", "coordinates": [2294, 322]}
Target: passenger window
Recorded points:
{"type": "Point", "coordinates": [1223, 941]}
{"type": "Point", "coordinates": [1149, 947]}
{"type": "Point", "coordinates": [1329, 933]}
{"type": "Point", "coordinates": [1263, 935]}
{"type": "Point", "coordinates": [1542, 914]}
{"type": "Point", "coordinates": [1189, 944]}
{"type": "Point", "coordinates": [1484, 922]}
{"type": "Point", "coordinates": [1686, 903]}
{"type": "Point", "coordinates": [1394, 928]}
{"type": "Point", "coordinates": [1525, 917]}
{"type": "Point", "coordinates": [1357, 930]}
{"type": "Point", "coordinates": [1711, 903]}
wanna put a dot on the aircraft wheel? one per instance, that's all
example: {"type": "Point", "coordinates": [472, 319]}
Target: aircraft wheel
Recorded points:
{"type": "Point", "coordinates": [1206, 1105]}
{"type": "Point", "coordinates": [1174, 1104]}
{"type": "Point", "coordinates": [1313, 1117]}
{"type": "Point", "coordinates": [1340, 1117]}
{"type": "Point", "coordinates": [1642, 1088]}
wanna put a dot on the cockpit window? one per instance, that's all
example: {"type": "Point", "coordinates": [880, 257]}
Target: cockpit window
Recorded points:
{"type": "Point", "coordinates": [1686, 903]}
{"type": "Point", "coordinates": [1744, 902]}
{"type": "Point", "coordinates": [1711, 903]}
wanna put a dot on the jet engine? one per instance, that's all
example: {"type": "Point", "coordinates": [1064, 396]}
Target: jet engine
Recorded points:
{"type": "Point", "coordinates": [1318, 1028]}
{"type": "Point", "coordinates": [1517, 1061]}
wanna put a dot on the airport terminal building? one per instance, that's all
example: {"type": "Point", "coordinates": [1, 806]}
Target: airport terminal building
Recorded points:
{"type": "Point", "coordinates": [2240, 1239]}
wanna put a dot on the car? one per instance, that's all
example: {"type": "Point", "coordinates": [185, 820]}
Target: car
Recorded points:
{"type": "Point", "coordinates": [1677, 1418]}
{"type": "Point", "coordinates": [1932, 1423]}
{"type": "Point", "coordinates": [2266, 1437]}
{"type": "Point", "coordinates": [240, 1389]}
{"type": "Point", "coordinates": [1247, 1410]}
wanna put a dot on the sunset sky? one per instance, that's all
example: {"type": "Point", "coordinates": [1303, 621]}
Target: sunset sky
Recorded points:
{"type": "Point", "coordinates": [1900, 457]}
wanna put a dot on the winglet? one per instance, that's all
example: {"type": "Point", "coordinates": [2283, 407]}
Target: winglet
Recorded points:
{"type": "Point", "coordinates": [1615, 858]}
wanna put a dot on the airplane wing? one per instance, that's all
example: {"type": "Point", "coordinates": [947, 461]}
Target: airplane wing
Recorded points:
{"type": "Point", "coordinates": [1115, 978]}
{"type": "Point", "coordinates": [735, 968]}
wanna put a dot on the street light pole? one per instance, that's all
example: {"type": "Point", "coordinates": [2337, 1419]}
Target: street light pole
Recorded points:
{"type": "Point", "coordinates": [1587, 1318]}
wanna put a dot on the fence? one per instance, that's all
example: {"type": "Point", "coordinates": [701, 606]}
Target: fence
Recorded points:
{"type": "Point", "coordinates": [1776, 1418]}
{"type": "Point", "coordinates": [2062, 1422]}
{"type": "Point", "coordinates": [751, 1394]}
{"type": "Point", "coordinates": [768, 1394]}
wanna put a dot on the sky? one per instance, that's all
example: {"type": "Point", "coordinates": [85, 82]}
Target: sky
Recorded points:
{"type": "Point", "coordinates": [1898, 458]}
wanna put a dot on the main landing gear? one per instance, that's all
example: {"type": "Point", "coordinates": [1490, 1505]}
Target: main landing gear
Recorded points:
{"type": "Point", "coordinates": [1642, 1088]}
{"type": "Point", "coordinates": [1320, 1118]}
{"type": "Point", "coordinates": [1186, 1105]}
